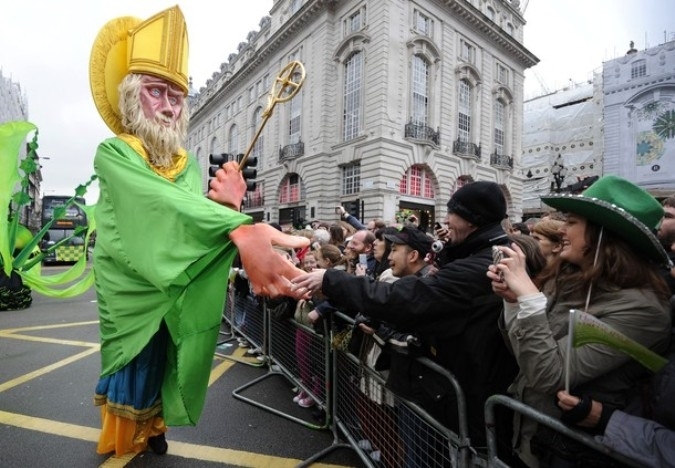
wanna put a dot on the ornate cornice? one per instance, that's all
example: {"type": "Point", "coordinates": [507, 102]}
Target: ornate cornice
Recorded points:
{"type": "Point", "coordinates": [471, 16]}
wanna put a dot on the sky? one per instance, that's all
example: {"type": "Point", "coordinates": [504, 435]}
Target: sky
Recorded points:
{"type": "Point", "coordinates": [45, 46]}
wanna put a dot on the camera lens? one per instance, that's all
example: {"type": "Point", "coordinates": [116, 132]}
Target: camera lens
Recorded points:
{"type": "Point", "coordinates": [437, 246]}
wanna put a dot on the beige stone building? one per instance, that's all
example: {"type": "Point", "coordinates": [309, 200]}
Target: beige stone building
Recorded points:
{"type": "Point", "coordinates": [401, 98]}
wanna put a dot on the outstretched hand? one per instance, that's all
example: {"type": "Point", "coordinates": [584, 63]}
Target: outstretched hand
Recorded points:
{"type": "Point", "coordinates": [228, 187]}
{"type": "Point", "coordinates": [309, 283]}
{"type": "Point", "coordinates": [268, 272]}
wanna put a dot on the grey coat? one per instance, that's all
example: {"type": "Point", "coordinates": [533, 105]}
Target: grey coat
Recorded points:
{"type": "Point", "coordinates": [539, 343]}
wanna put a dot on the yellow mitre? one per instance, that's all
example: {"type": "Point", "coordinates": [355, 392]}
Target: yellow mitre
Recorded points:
{"type": "Point", "coordinates": [157, 46]}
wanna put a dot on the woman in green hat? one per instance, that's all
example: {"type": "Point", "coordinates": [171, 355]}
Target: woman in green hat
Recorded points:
{"type": "Point", "coordinates": [608, 267]}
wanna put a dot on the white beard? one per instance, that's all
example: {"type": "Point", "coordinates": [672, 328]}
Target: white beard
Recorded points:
{"type": "Point", "coordinates": [160, 141]}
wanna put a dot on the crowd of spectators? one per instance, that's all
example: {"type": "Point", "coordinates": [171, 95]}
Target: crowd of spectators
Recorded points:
{"type": "Point", "coordinates": [502, 328]}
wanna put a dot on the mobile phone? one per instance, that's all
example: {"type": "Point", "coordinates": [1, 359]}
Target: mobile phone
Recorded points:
{"type": "Point", "coordinates": [438, 226]}
{"type": "Point", "coordinates": [497, 256]}
{"type": "Point", "coordinates": [363, 260]}
{"type": "Point", "coordinates": [337, 210]}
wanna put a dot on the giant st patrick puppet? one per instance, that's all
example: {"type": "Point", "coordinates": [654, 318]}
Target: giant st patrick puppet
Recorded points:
{"type": "Point", "coordinates": [163, 250]}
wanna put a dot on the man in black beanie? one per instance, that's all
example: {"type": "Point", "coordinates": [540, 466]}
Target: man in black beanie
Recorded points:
{"type": "Point", "coordinates": [479, 203]}
{"type": "Point", "coordinates": [454, 312]}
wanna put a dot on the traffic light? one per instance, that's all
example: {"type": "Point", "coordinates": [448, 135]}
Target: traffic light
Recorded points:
{"type": "Point", "coordinates": [216, 161]}
{"type": "Point", "coordinates": [248, 171]}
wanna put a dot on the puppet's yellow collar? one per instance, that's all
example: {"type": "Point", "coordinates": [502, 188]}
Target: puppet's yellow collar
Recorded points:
{"type": "Point", "coordinates": [169, 173]}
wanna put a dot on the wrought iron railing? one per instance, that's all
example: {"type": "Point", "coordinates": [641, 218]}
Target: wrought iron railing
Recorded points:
{"type": "Point", "coordinates": [501, 160]}
{"type": "Point", "coordinates": [292, 151]}
{"type": "Point", "coordinates": [422, 132]}
{"type": "Point", "coordinates": [466, 149]}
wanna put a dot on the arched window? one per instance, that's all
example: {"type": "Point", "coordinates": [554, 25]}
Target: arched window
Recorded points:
{"type": "Point", "coordinates": [289, 191]}
{"type": "Point", "coordinates": [213, 146]}
{"type": "Point", "coordinates": [420, 90]}
{"type": "Point", "coordinates": [417, 182]}
{"type": "Point", "coordinates": [353, 82]}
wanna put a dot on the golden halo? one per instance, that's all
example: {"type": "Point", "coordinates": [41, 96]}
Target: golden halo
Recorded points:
{"type": "Point", "coordinates": [108, 65]}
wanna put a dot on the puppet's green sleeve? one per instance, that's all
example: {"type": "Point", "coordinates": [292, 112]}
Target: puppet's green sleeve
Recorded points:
{"type": "Point", "coordinates": [160, 229]}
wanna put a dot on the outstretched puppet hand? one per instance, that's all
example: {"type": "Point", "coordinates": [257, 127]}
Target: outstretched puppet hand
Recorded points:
{"type": "Point", "coordinates": [268, 272]}
{"type": "Point", "coordinates": [228, 186]}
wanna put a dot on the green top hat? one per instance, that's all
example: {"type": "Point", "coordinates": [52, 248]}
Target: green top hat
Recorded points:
{"type": "Point", "coordinates": [623, 208]}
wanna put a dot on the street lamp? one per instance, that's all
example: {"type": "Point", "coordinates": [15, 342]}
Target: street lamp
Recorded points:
{"type": "Point", "coordinates": [559, 172]}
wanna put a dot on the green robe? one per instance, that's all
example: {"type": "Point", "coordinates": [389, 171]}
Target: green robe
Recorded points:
{"type": "Point", "coordinates": [162, 253]}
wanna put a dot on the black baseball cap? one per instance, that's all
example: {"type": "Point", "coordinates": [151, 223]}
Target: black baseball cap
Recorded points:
{"type": "Point", "coordinates": [413, 238]}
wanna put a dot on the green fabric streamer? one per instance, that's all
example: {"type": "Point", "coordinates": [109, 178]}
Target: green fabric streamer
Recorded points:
{"type": "Point", "coordinates": [12, 138]}
{"type": "Point", "coordinates": [27, 262]}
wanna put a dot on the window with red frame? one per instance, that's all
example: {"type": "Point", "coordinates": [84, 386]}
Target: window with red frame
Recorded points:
{"type": "Point", "coordinates": [290, 189]}
{"type": "Point", "coordinates": [417, 182]}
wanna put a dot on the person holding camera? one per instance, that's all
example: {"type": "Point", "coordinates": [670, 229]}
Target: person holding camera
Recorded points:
{"type": "Point", "coordinates": [609, 267]}
{"type": "Point", "coordinates": [453, 311]}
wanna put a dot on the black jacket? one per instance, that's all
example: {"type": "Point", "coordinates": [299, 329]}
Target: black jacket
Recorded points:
{"type": "Point", "coordinates": [455, 314]}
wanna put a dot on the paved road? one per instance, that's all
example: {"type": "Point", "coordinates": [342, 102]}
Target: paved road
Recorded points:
{"type": "Point", "coordinates": [49, 364]}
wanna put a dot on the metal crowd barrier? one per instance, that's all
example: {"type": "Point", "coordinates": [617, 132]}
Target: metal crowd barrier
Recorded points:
{"type": "Point", "coordinates": [228, 334]}
{"type": "Point", "coordinates": [244, 317]}
{"type": "Point", "coordinates": [384, 429]}
{"type": "Point", "coordinates": [289, 350]}
{"type": "Point", "coordinates": [541, 418]}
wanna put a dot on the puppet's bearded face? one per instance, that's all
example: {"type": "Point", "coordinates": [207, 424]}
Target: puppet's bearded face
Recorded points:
{"type": "Point", "coordinates": [153, 110]}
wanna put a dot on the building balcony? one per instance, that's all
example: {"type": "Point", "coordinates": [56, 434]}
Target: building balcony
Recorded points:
{"type": "Point", "coordinates": [466, 149]}
{"type": "Point", "coordinates": [422, 132]}
{"type": "Point", "coordinates": [501, 161]}
{"type": "Point", "coordinates": [291, 151]}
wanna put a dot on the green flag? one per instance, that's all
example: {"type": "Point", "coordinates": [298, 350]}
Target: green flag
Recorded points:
{"type": "Point", "coordinates": [584, 329]}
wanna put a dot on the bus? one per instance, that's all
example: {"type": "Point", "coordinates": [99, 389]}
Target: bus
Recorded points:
{"type": "Point", "coordinates": [74, 246]}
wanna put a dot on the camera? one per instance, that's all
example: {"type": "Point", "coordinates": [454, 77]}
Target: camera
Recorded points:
{"type": "Point", "coordinates": [437, 246]}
